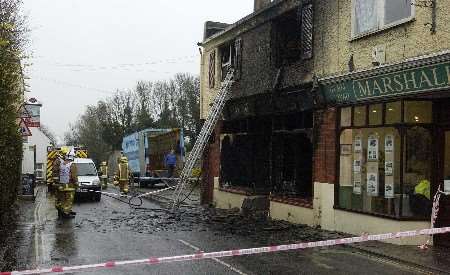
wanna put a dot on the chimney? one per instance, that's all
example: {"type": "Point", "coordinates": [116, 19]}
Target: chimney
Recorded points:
{"type": "Point", "coordinates": [260, 4]}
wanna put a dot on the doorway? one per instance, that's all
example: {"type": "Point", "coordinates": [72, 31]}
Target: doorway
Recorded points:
{"type": "Point", "coordinates": [443, 144]}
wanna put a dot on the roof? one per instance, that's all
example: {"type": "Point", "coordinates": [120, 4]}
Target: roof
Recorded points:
{"type": "Point", "coordinates": [247, 18]}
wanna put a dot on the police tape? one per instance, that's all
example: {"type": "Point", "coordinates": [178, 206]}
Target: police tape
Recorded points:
{"type": "Point", "coordinates": [157, 191]}
{"type": "Point", "coordinates": [200, 255]}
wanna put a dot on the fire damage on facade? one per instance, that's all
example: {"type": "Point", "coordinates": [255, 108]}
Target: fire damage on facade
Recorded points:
{"type": "Point", "coordinates": [266, 139]}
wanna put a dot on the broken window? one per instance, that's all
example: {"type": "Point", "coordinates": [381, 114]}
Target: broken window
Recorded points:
{"type": "Point", "coordinates": [293, 35]}
{"type": "Point", "coordinates": [268, 155]}
{"type": "Point", "coordinates": [373, 15]}
{"type": "Point", "coordinates": [227, 58]}
{"type": "Point", "coordinates": [238, 59]}
{"type": "Point", "coordinates": [245, 155]}
{"type": "Point", "coordinates": [212, 69]}
{"type": "Point", "coordinates": [292, 155]}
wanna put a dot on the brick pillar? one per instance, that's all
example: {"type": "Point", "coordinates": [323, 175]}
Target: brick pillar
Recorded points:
{"type": "Point", "coordinates": [210, 166]}
{"type": "Point", "coordinates": [325, 148]}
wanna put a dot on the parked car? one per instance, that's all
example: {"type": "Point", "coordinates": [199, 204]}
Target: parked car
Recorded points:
{"type": "Point", "coordinates": [88, 180]}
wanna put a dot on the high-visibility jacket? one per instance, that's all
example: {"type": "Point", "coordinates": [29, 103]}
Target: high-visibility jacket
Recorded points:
{"type": "Point", "coordinates": [104, 171]}
{"type": "Point", "coordinates": [423, 188]}
{"type": "Point", "coordinates": [123, 172]}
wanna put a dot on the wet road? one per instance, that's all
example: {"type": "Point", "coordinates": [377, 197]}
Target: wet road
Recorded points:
{"type": "Point", "coordinates": [110, 230]}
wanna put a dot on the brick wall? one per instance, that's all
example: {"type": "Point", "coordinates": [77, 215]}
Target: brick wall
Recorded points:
{"type": "Point", "coordinates": [324, 167]}
{"type": "Point", "coordinates": [211, 166]}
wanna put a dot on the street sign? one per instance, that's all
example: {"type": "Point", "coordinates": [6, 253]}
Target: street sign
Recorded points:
{"type": "Point", "coordinates": [23, 129]}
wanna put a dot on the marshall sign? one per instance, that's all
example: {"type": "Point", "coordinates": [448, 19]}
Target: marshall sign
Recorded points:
{"type": "Point", "coordinates": [412, 81]}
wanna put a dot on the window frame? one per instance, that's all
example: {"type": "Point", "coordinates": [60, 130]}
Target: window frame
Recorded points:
{"type": "Point", "coordinates": [380, 16]}
{"type": "Point", "coordinates": [402, 128]}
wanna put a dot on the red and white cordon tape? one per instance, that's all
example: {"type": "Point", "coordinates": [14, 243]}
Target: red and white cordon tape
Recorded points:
{"type": "Point", "coordinates": [231, 253]}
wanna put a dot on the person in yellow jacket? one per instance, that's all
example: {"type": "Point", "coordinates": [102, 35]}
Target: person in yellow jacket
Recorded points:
{"type": "Point", "coordinates": [423, 188]}
{"type": "Point", "coordinates": [104, 174]}
{"type": "Point", "coordinates": [123, 175]}
{"type": "Point", "coordinates": [66, 186]}
{"type": "Point", "coordinates": [420, 200]}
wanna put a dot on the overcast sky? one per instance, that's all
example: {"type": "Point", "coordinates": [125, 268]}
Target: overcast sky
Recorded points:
{"type": "Point", "coordinates": [84, 50]}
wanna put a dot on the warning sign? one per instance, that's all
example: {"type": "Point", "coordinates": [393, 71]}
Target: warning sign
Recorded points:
{"type": "Point", "coordinates": [23, 129]}
{"type": "Point", "coordinates": [23, 112]}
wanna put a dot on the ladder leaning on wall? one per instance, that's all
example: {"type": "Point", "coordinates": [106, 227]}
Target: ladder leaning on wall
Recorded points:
{"type": "Point", "coordinates": [205, 133]}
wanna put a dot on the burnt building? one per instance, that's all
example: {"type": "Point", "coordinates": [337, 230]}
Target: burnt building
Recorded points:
{"type": "Point", "coordinates": [338, 112]}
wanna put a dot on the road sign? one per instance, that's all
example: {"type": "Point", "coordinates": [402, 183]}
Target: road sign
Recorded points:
{"type": "Point", "coordinates": [23, 129]}
{"type": "Point", "coordinates": [23, 112]}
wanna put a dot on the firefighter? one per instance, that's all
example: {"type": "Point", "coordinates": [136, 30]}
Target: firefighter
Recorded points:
{"type": "Point", "coordinates": [55, 174]}
{"type": "Point", "coordinates": [104, 174]}
{"type": "Point", "coordinates": [67, 186]}
{"type": "Point", "coordinates": [123, 175]}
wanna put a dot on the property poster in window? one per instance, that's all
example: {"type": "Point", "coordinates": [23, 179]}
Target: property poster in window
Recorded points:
{"type": "Point", "coordinates": [357, 184]}
{"type": "Point", "coordinates": [447, 186]}
{"type": "Point", "coordinates": [372, 184]}
{"type": "Point", "coordinates": [372, 148]}
{"type": "Point", "coordinates": [357, 166]}
{"type": "Point", "coordinates": [389, 144]}
{"type": "Point", "coordinates": [389, 187]}
{"type": "Point", "coordinates": [358, 144]}
{"type": "Point", "coordinates": [389, 168]}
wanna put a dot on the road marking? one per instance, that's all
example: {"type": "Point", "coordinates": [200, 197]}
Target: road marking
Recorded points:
{"type": "Point", "coordinates": [37, 230]}
{"type": "Point", "coordinates": [215, 259]}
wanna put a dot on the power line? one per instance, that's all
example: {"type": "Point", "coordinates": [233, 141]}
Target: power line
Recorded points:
{"type": "Point", "coordinates": [123, 66]}
{"type": "Point", "coordinates": [73, 85]}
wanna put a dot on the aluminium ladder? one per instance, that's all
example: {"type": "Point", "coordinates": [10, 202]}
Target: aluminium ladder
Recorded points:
{"type": "Point", "coordinates": [205, 133]}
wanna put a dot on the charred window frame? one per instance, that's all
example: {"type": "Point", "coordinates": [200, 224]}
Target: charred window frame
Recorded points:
{"type": "Point", "coordinates": [231, 57]}
{"type": "Point", "coordinates": [238, 60]}
{"type": "Point", "coordinates": [293, 35]}
{"type": "Point", "coordinates": [307, 30]}
{"type": "Point", "coordinates": [212, 70]}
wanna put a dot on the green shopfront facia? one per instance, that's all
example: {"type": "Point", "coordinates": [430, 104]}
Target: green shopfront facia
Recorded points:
{"type": "Point", "coordinates": [411, 81]}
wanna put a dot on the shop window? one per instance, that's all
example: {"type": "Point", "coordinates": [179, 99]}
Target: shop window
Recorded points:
{"type": "Point", "coordinates": [375, 114]}
{"type": "Point", "coordinates": [418, 111]}
{"type": "Point", "coordinates": [370, 160]}
{"type": "Point", "coordinates": [369, 178]}
{"type": "Point", "coordinates": [346, 117]}
{"type": "Point", "coordinates": [393, 112]}
{"type": "Point", "coordinates": [360, 116]}
{"type": "Point", "coordinates": [370, 15]}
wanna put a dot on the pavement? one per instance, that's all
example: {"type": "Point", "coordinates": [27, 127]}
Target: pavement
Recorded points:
{"type": "Point", "coordinates": [111, 230]}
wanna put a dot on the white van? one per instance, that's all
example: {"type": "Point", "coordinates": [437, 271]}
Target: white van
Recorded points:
{"type": "Point", "coordinates": [88, 179]}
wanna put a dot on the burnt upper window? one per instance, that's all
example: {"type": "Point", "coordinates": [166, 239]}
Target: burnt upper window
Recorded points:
{"type": "Point", "coordinates": [231, 57]}
{"type": "Point", "coordinates": [293, 35]}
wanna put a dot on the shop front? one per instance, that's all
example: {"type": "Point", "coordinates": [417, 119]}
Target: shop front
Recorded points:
{"type": "Point", "coordinates": [393, 133]}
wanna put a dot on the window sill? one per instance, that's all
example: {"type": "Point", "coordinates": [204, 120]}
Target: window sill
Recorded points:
{"type": "Point", "coordinates": [387, 27]}
{"type": "Point", "coordinates": [383, 216]}
{"type": "Point", "coordinates": [236, 190]}
{"type": "Point", "coordinates": [301, 202]}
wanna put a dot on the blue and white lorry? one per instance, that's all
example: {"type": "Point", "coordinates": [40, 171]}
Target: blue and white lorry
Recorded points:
{"type": "Point", "coordinates": [146, 151]}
